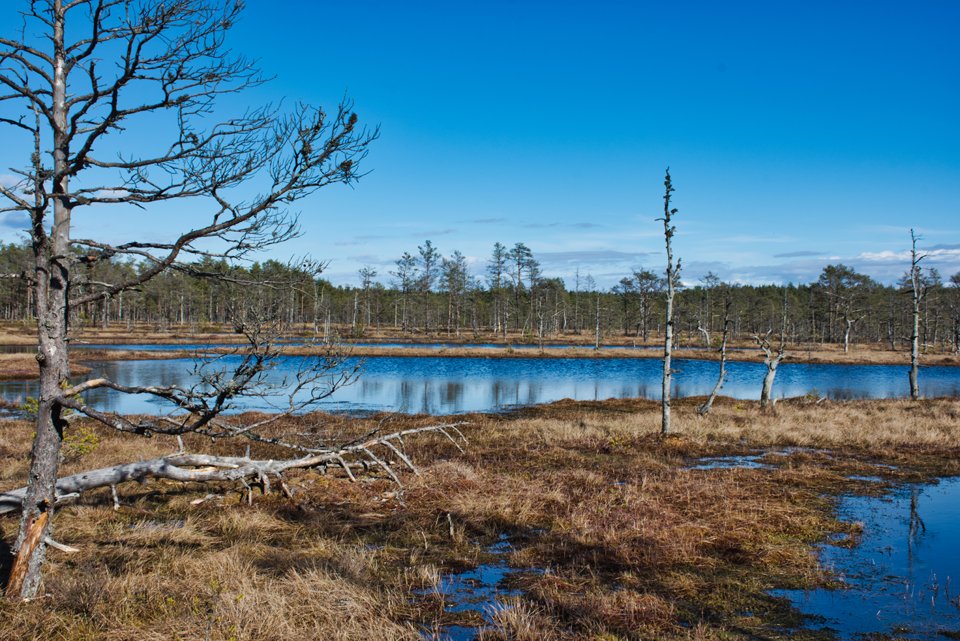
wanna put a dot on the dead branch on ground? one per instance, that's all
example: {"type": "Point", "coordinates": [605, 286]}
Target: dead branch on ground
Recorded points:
{"type": "Point", "coordinates": [205, 468]}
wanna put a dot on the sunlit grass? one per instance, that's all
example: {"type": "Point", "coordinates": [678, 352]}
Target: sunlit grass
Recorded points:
{"type": "Point", "coordinates": [627, 540]}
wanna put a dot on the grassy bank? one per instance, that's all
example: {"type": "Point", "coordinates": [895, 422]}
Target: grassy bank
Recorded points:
{"type": "Point", "coordinates": [579, 346]}
{"type": "Point", "coordinates": [625, 540]}
{"type": "Point", "coordinates": [854, 357]}
{"type": "Point", "coordinates": [24, 367]}
{"type": "Point", "coordinates": [749, 354]}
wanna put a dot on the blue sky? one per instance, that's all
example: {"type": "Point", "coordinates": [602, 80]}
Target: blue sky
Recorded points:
{"type": "Point", "coordinates": [798, 134]}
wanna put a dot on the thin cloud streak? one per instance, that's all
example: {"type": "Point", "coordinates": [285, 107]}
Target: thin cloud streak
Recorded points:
{"type": "Point", "coordinates": [798, 254]}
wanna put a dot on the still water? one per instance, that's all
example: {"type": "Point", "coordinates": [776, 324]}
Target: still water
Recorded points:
{"type": "Point", "coordinates": [193, 347]}
{"type": "Point", "coordinates": [904, 575]}
{"type": "Point", "coordinates": [438, 385]}
{"type": "Point", "coordinates": [482, 591]}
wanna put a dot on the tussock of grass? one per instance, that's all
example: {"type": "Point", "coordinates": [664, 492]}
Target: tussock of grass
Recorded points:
{"type": "Point", "coordinates": [627, 542]}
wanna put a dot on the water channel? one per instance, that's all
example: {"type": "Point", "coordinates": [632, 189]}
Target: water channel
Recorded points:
{"type": "Point", "coordinates": [439, 385]}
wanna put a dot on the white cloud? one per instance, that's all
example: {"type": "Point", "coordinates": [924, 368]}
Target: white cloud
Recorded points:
{"type": "Point", "coordinates": [888, 256]}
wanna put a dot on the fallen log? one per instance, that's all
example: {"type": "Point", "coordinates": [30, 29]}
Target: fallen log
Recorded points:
{"type": "Point", "coordinates": [206, 468]}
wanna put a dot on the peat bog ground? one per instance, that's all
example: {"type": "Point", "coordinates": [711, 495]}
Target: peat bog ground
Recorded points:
{"type": "Point", "coordinates": [599, 528]}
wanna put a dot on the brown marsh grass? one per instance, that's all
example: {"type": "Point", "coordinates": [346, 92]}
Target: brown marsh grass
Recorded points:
{"type": "Point", "coordinates": [814, 354]}
{"type": "Point", "coordinates": [24, 367]}
{"type": "Point", "coordinates": [628, 542]}
{"type": "Point", "coordinates": [620, 346]}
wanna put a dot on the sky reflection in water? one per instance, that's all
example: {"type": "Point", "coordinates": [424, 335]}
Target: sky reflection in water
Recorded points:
{"type": "Point", "coordinates": [902, 578]}
{"type": "Point", "coordinates": [438, 385]}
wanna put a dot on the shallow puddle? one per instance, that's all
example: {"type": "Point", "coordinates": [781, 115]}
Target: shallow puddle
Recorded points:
{"type": "Point", "coordinates": [758, 461]}
{"type": "Point", "coordinates": [479, 590]}
{"type": "Point", "coordinates": [744, 461]}
{"type": "Point", "coordinates": [903, 577]}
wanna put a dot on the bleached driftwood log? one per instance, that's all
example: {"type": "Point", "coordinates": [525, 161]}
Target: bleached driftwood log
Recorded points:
{"type": "Point", "coordinates": [205, 468]}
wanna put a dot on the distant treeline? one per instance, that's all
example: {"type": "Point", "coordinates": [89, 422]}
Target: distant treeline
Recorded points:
{"type": "Point", "coordinates": [428, 293]}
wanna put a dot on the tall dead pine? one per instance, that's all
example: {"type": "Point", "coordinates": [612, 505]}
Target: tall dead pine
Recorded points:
{"type": "Point", "coordinates": [672, 279]}
{"type": "Point", "coordinates": [919, 290]}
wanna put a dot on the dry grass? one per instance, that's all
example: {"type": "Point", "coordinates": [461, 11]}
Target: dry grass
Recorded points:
{"type": "Point", "coordinates": [859, 354]}
{"type": "Point", "coordinates": [629, 541]}
{"type": "Point", "coordinates": [24, 367]}
{"type": "Point", "coordinates": [872, 426]}
{"type": "Point", "coordinates": [817, 354]}
{"type": "Point", "coordinates": [18, 334]}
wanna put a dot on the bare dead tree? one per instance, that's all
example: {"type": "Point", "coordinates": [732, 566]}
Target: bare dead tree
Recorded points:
{"type": "Point", "coordinates": [849, 322]}
{"type": "Point", "coordinates": [772, 356]}
{"type": "Point", "coordinates": [204, 468]}
{"type": "Point", "coordinates": [918, 288]}
{"type": "Point", "coordinates": [672, 280]}
{"type": "Point", "coordinates": [722, 375]}
{"type": "Point", "coordinates": [79, 75]}
{"type": "Point", "coordinates": [596, 336]}
{"type": "Point", "coordinates": [703, 332]}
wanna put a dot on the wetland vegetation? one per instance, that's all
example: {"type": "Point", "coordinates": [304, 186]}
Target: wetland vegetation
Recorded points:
{"type": "Point", "coordinates": [606, 529]}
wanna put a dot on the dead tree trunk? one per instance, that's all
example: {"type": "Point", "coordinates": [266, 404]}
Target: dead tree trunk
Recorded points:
{"type": "Point", "coordinates": [705, 333]}
{"type": "Point", "coordinates": [772, 357]}
{"type": "Point", "coordinates": [846, 333]}
{"type": "Point", "coordinates": [51, 254]}
{"type": "Point", "coordinates": [766, 392]}
{"type": "Point", "coordinates": [772, 361]}
{"type": "Point", "coordinates": [918, 290]}
{"type": "Point", "coordinates": [672, 278]}
{"type": "Point", "coordinates": [596, 339]}
{"type": "Point", "coordinates": [705, 408]}
{"type": "Point", "coordinates": [203, 468]}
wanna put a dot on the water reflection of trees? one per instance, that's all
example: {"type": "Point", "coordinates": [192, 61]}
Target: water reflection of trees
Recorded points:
{"type": "Point", "coordinates": [916, 526]}
{"type": "Point", "coordinates": [404, 395]}
{"type": "Point", "coordinates": [453, 393]}
{"type": "Point", "coordinates": [438, 385]}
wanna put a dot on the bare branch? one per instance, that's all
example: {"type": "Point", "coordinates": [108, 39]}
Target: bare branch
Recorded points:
{"type": "Point", "coordinates": [202, 468]}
